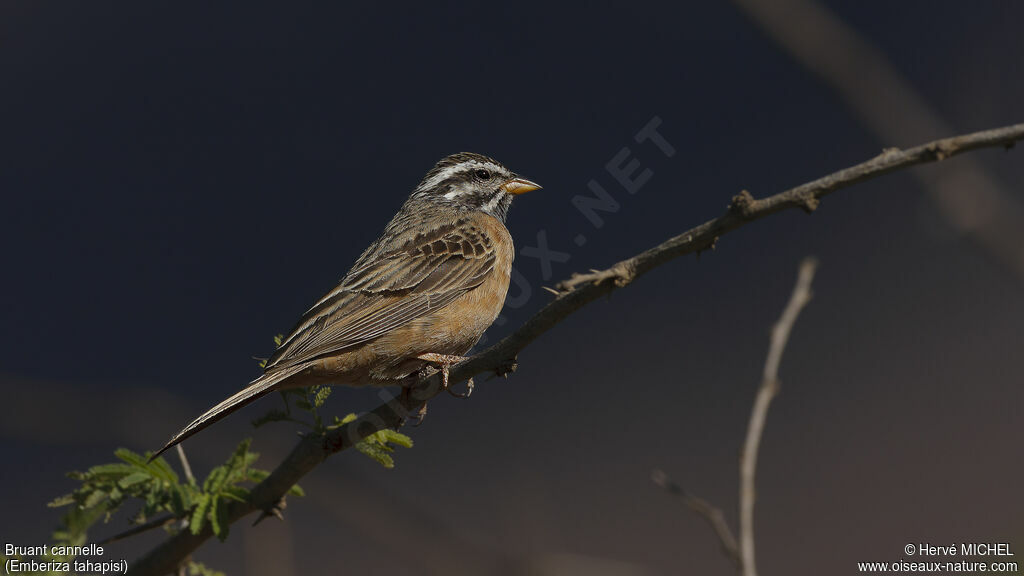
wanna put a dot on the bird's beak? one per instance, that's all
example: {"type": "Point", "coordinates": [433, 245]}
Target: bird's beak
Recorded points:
{"type": "Point", "coordinates": [518, 186]}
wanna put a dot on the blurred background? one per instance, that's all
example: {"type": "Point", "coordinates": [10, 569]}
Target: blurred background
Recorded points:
{"type": "Point", "coordinates": [180, 183]}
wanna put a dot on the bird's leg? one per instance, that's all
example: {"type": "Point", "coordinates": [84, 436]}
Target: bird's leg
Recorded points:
{"type": "Point", "coordinates": [419, 415]}
{"type": "Point", "coordinates": [444, 362]}
{"type": "Point", "coordinates": [406, 400]}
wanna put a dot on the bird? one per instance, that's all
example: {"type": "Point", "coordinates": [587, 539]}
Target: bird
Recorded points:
{"type": "Point", "coordinates": [422, 295]}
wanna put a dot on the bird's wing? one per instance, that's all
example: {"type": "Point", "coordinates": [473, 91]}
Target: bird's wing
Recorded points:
{"type": "Point", "coordinates": [426, 273]}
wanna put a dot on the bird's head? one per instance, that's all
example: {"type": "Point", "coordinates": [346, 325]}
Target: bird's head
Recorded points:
{"type": "Point", "coordinates": [468, 181]}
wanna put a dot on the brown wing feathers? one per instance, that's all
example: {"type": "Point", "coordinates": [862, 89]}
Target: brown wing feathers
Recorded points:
{"type": "Point", "coordinates": [425, 273]}
{"type": "Point", "coordinates": [386, 291]}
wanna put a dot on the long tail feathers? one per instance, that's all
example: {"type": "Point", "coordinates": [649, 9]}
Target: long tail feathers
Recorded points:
{"type": "Point", "coordinates": [255, 389]}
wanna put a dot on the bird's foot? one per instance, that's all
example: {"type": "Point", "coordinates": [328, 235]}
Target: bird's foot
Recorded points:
{"type": "Point", "coordinates": [444, 362]}
{"type": "Point", "coordinates": [506, 368]}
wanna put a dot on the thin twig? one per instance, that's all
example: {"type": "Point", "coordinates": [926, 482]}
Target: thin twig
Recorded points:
{"type": "Point", "coordinates": [769, 388]}
{"type": "Point", "coordinates": [576, 292]}
{"type": "Point", "coordinates": [706, 510]}
{"type": "Point", "coordinates": [183, 566]}
{"type": "Point", "coordinates": [184, 465]}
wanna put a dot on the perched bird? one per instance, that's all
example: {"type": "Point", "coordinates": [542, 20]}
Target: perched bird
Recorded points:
{"type": "Point", "coordinates": [422, 294]}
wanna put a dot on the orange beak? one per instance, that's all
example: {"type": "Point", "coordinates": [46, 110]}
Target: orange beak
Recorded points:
{"type": "Point", "coordinates": [518, 186]}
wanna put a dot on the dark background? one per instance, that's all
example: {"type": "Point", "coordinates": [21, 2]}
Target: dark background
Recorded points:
{"type": "Point", "coordinates": [180, 182]}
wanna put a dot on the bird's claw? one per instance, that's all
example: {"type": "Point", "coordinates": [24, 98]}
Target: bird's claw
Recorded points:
{"type": "Point", "coordinates": [466, 394]}
{"type": "Point", "coordinates": [419, 416]}
{"type": "Point", "coordinates": [508, 367]}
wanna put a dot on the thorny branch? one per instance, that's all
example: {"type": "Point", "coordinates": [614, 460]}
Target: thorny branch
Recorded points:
{"type": "Point", "coordinates": [859, 71]}
{"type": "Point", "coordinates": [574, 293]}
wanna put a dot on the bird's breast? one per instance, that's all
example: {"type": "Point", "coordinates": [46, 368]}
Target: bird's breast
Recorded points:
{"type": "Point", "coordinates": [461, 324]}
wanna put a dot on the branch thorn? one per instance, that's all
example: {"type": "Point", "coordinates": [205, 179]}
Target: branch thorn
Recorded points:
{"type": "Point", "coordinates": [275, 510]}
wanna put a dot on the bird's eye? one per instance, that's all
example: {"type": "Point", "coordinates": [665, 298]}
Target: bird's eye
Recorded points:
{"type": "Point", "coordinates": [483, 174]}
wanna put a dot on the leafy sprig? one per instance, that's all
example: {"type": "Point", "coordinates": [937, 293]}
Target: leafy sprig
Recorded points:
{"type": "Point", "coordinates": [378, 445]}
{"type": "Point", "coordinates": [106, 489]}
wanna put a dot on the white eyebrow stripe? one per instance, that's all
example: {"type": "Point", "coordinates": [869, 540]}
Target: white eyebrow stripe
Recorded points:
{"type": "Point", "coordinates": [450, 171]}
{"type": "Point", "coordinates": [493, 203]}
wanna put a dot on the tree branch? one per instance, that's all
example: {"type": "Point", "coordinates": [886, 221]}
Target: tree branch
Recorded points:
{"type": "Point", "coordinates": [574, 293]}
{"type": "Point", "coordinates": [767, 391]}
{"type": "Point", "coordinates": [989, 217]}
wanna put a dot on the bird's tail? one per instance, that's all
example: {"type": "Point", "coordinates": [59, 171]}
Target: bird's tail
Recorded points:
{"type": "Point", "coordinates": [255, 389]}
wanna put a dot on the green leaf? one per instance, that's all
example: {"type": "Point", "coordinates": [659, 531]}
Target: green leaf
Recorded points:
{"type": "Point", "coordinates": [199, 514]}
{"type": "Point", "coordinates": [61, 501]}
{"type": "Point", "coordinates": [320, 394]}
{"type": "Point", "coordinates": [378, 453]}
{"type": "Point", "coordinates": [180, 500]}
{"type": "Point", "coordinates": [200, 569]}
{"type": "Point", "coordinates": [133, 479]}
{"type": "Point", "coordinates": [76, 525]}
{"type": "Point", "coordinates": [108, 471]}
{"type": "Point", "coordinates": [238, 464]}
{"type": "Point", "coordinates": [215, 479]}
{"type": "Point", "coordinates": [105, 487]}
{"type": "Point", "coordinates": [378, 444]}
{"type": "Point", "coordinates": [240, 451]}
{"type": "Point", "coordinates": [394, 437]}
{"type": "Point", "coordinates": [94, 498]}
{"type": "Point", "coordinates": [162, 470]}
{"type": "Point", "coordinates": [238, 458]}
{"type": "Point", "coordinates": [133, 458]}
{"type": "Point", "coordinates": [235, 493]}
{"type": "Point", "coordinates": [158, 468]}
{"type": "Point", "coordinates": [219, 518]}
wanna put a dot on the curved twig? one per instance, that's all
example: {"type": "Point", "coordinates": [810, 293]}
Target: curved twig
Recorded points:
{"type": "Point", "coordinates": [706, 510]}
{"type": "Point", "coordinates": [759, 413]}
